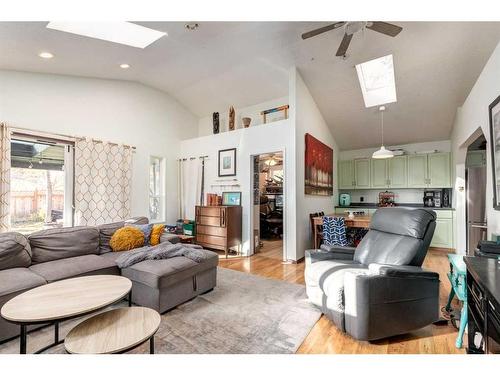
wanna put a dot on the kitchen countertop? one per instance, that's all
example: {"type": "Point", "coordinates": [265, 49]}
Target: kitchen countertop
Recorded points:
{"type": "Point", "coordinates": [374, 206]}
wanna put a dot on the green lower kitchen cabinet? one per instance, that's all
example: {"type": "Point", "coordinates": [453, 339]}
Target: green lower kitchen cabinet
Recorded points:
{"type": "Point", "coordinates": [443, 234]}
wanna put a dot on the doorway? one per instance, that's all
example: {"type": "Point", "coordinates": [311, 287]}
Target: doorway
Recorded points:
{"type": "Point", "coordinates": [475, 182]}
{"type": "Point", "coordinates": [268, 205]}
{"type": "Point", "coordinates": [41, 184]}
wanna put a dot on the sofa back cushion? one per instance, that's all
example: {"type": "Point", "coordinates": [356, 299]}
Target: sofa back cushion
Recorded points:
{"type": "Point", "coordinates": [60, 243]}
{"type": "Point", "coordinates": [15, 251]}
{"type": "Point", "coordinates": [106, 231]}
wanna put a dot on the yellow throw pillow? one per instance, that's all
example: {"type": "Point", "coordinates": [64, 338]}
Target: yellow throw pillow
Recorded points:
{"type": "Point", "coordinates": [156, 233]}
{"type": "Point", "coordinates": [127, 238]}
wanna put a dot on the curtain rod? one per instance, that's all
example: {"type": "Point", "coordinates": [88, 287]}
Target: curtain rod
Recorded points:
{"type": "Point", "coordinates": [101, 141]}
{"type": "Point", "coordinates": [62, 137]}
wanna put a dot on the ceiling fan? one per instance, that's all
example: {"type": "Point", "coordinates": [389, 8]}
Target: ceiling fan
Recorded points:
{"type": "Point", "coordinates": [352, 27]}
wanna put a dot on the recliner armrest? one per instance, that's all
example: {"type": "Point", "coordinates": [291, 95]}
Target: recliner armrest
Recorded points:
{"type": "Point", "coordinates": [402, 271]}
{"type": "Point", "coordinates": [313, 256]}
{"type": "Point", "coordinates": [339, 249]}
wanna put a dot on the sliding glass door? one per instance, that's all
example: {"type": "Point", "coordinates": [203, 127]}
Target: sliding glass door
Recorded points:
{"type": "Point", "coordinates": [41, 184]}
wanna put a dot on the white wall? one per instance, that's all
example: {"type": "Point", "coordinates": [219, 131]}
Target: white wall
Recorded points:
{"type": "Point", "coordinates": [470, 118]}
{"type": "Point", "coordinates": [277, 136]}
{"type": "Point", "coordinates": [115, 111]}
{"type": "Point", "coordinates": [308, 119]}
{"type": "Point", "coordinates": [205, 124]}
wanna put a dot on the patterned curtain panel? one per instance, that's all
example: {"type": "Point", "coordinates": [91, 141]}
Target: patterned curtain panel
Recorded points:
{"type": "Point", "coordinates": [4, 178]}
{"type": "Point", "coordinates": [103, 177]}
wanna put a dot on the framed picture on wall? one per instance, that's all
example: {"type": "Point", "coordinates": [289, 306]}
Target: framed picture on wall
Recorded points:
{"type": "Point", "coordinates": [231, 198]}
{"type": "Point", "coordinates": [227, 162]}
{"type": "Point", "coordinates": [318, 167]}
{"type": "Point", "coordinates": [494, 111]}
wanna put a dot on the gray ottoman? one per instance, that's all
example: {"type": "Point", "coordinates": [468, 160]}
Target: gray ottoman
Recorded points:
{"type": "Point", "coordinates": [164, 284]}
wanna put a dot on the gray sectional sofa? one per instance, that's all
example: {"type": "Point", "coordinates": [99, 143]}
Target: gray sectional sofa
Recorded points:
{"type": "Point", "coordinates": [61, 253]}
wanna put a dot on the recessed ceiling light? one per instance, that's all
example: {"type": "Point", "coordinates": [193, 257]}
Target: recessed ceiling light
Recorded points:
{"type": "Point", "coordinates": [122, 32]}
{"type": "Point", "coordinates": [46, 55]}
{"type": "Point", "coordinates": [124, 66]}
{"type": "Point", "coordinates": [376, 78]}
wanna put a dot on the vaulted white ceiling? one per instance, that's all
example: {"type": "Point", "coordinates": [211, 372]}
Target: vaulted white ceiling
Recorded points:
{"type": "Point", "coordinates": [244, 63]}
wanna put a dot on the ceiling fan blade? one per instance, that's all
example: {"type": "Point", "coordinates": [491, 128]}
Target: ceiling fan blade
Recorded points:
{"type": "Point", "coordinates": [322, 30]}
{"type": "Point", "coordinates": [385, 28]}
{"type": "Point", "coordinates": [344, 45]}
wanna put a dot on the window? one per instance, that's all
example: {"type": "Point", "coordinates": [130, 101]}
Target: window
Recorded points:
{"type": "Point", "coordinates": [41, 184]}
{"type": "Point", "coordinates": [376, 78]}
{"type": "Point", "coordinates": [156, 189]}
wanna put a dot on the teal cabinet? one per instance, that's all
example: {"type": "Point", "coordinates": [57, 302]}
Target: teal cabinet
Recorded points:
{"type": "Point", "coordinates": [379, 173]}
{"type": "Point", "coordinates": [362, 173]}
{"type": "Point", "coordinates": [439, 170]}
{"type": "Point", "coordinates": [417, 171]}
{"type": "Point", "coordinates": [346, 174]}
{"type": "Point", "coordinates": [397, 171]}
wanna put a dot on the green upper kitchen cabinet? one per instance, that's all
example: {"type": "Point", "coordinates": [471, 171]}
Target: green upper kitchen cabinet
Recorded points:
{"type": "Point", "coordinates": [379, 173]}
{"type": "Point", "coordinates": [398, 172]}
{"type": "Point", "coordinates": [346, 174]}
{"type": "Point", "coordinates": [439, 170]}
{"type": "Point", "coordinates": [417, 171]}
{"type": "Point", "coordinates": [362, 173]}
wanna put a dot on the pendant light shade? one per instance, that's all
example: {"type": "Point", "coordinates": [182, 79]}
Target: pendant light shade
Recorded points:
{"type": "Point", "coordinates": [383, 153]}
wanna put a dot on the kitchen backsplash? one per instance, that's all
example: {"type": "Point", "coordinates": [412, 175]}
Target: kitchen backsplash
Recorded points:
{"type": "Point", "coordinates": [401, 195]}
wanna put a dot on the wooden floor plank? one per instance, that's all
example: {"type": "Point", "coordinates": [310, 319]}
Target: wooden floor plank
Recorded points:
{"type": "Point", "coordinates": [325, 337]}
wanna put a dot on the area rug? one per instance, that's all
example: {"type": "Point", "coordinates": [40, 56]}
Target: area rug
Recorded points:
{"type": "Point", "coordinates": [243, 314]}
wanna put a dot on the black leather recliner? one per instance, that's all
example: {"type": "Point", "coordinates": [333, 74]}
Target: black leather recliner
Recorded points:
{"type": "Point", "coordinates": [378, 289]}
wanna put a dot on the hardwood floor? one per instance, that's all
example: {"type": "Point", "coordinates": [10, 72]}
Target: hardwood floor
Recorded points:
{"type": "Point", "coordinates": [326, 338]}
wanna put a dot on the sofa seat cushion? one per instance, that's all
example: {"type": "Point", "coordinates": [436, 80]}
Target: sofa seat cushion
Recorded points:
{"type": "Point", "coordinates": [114, 255]}
{"type": "Point", "coordinates": [164, 272]}
{"type": "Point", "coordinates": [13, 281]}
{"type": "Point", "coordinates": [59, 243]}
{"type": "Point", "coordinates": [76, 266]}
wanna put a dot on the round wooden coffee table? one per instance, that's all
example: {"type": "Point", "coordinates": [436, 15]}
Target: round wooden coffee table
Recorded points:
{"type": "Point", "coordinates": [62, 300]}
{"type": "Point", "coordinates": [114, 331]}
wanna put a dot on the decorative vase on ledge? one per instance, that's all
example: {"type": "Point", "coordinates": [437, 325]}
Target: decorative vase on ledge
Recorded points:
{"type": "Point", "coordinates": [246, 121]}
{"type": "Point", "coordinates": [215, 117]}
{"type": "Point", "coordinates": [231, 118]}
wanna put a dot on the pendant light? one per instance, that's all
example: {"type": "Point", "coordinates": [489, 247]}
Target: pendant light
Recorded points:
{"type": "Point", "coordinates": [383, 153]}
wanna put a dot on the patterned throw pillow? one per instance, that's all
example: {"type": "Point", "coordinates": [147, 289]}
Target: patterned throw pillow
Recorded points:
{"type": "Point", "coordinates": [144, 228]}
{"type": "Point", "coordinates": [156, 233]}
{"type": "Point", "coordinates": [127, 238]}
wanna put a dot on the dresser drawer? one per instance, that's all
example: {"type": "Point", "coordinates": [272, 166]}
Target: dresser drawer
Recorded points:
{"type": "Point", "coordinates": [209, 220]}
{"type": "Point", "coordinates": [213, 240]}
{"type": "Point", "coordinates": [209, 211]}
{"type": "Point", "coordinates": [210, 230]}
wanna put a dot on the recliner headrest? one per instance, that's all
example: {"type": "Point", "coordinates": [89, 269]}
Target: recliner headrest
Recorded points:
{"type": "Point", "coordinates": [412, 222]}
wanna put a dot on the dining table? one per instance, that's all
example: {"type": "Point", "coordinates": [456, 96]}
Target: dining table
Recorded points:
{"type": "Point", "coordinates": [353, 221]}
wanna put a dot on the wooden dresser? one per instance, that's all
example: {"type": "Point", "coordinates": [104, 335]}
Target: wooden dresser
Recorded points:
{"type": "Point", "coordinates": [218, 227]}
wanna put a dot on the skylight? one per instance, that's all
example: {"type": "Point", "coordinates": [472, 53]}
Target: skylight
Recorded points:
{"type": "Point", "coordinates": [120, 32]}
{"type": "Point", "coordinates": [376, 78]}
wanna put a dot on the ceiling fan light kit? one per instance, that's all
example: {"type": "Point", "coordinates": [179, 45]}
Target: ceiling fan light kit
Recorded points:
{"type": "Point", "coordinates": [353, 27]}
